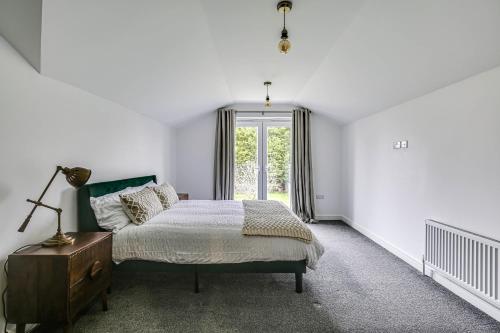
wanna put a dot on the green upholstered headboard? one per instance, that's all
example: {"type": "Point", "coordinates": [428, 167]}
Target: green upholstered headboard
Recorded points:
{"type": "Point", "coordinates": [86, 217]}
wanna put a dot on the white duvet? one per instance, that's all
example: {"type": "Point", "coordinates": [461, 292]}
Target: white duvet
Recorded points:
{"type": "Point", "coordinates": [206, 232]}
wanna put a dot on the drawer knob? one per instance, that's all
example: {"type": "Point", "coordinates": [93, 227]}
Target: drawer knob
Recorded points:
{"type": "Point", "coordinates": [95, 270]}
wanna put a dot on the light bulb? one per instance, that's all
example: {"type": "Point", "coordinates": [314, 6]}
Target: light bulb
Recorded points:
{"type": "Point", "coordinates": [284, 46]}
{"type": "Point", "coordinates": [268, 102]}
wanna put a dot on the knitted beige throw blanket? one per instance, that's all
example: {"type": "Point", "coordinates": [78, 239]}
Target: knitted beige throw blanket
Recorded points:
{"type": "Point", "coordinates": [272, 218]}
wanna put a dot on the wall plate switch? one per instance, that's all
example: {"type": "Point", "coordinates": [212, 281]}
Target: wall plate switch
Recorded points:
{"type": "Point", "coordinates": [320, 196]}
{"type": "Point", "coordinates": [404, 144]}
{"type": "Point", "coordinates": [396, 145]}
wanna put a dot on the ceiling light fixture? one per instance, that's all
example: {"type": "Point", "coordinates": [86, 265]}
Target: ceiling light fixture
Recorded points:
{"type": "Point", "coordinates": [268, 101]}
{"type": "Point", "coordinates": [284, 45]}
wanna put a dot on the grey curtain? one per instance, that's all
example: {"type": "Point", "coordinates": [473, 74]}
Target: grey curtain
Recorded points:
{"type": "Point", "coordinates": [302, 191]}
{"type": "Point", "coordinates": [224, 155]}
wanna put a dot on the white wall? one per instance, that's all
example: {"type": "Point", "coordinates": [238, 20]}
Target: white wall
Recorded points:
{"type": "Point", "coordinates": [195, 157]}
{"type": "Point", "coordinates": [326, 153]}
{"type": "Point", "coordinates": [450, 172]}
{"type": "Point", "coordinates": [44, 123]}
{"type": "Point", "coordinates": [195, 160]}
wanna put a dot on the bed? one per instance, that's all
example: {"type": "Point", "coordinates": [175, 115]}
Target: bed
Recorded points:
{"type": "Point", "coordinates": [183, 247]}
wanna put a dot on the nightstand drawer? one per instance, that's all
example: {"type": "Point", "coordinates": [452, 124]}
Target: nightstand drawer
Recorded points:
{"type": "Point", "coordinates": [91, 263]}
{"type": "Point", "coordinates": [87, 289]}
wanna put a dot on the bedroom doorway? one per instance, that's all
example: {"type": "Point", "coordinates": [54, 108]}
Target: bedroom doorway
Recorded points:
{"type": "Point", "coordinates": [262, 160]}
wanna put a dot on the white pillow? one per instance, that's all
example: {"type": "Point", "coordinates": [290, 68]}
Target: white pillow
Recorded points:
{"type": "Point", "coordinates": [109, 211]}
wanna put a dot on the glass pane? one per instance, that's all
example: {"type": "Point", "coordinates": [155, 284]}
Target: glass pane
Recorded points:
{"type": "Point", "coordinates": [247, 167]}
{"type": "Point", "coordinates": [278, 164]}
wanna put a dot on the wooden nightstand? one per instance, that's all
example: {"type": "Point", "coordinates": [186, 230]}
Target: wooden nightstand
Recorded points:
{"type": "Point", "coordinates": [183, 196]}
{"type": "Point", "coordinates": [50, 285]}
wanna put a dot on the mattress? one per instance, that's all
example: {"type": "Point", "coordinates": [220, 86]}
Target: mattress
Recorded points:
{"type": "Point", "coordinates": [206, 232]}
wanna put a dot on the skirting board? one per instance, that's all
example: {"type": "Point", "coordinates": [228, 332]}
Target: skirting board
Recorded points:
{"type": "Point", "coordinates": [417, 264]}
{"type": "Point", "coordinates": [332, 217]}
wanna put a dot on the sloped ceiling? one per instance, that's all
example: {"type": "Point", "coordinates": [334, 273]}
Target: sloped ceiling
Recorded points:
{"type": "Point", "coordinates": [175, 60]}
{"type": "Point", "coordinates": [21, 24]}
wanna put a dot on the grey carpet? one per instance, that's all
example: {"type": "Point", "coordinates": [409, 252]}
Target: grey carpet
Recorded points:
{"type": "Point", "coordinates": [358, 287]}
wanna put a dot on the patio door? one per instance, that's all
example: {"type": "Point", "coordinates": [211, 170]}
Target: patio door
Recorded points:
{"type": "Point", "coordinates": [262, 160]}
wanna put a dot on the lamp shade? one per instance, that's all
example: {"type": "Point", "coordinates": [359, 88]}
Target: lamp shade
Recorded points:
{"type": "Point", "coordinates": [77, 177]}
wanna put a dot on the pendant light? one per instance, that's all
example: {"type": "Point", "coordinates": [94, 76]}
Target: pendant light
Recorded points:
{"type": "Point", "coordinates": [284, 45]}
{"type": "Point", "coordinates": [267, 103]}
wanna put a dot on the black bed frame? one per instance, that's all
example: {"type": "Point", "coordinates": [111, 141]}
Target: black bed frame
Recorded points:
{"type": "Point", "coordinates": [88, 222]}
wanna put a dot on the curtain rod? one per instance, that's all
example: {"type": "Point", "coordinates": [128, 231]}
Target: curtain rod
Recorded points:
{"type": "Point", "coordinates": [280, 111]}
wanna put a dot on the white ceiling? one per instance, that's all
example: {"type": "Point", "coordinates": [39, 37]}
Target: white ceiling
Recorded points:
{"type": "Point", "coordinates": [174, 60]}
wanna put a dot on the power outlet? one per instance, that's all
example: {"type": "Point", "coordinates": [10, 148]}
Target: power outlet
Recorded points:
{"type": "Point", "coordinates": [400, 144]}
{"type": "Point", "coordinates": [320, 196]}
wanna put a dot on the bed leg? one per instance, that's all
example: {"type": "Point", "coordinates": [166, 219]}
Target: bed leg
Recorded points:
{"type": "Point", "coordinates": [298, 282]}
{"type": "Point", "coordinates": [196, 284]}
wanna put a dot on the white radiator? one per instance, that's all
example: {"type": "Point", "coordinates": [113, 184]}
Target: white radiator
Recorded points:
{"type": "Point", "coordinates": [468, 259]}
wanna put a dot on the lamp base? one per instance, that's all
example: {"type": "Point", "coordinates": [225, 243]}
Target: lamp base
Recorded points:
{"type": "Point", "coordinates": [59, 239]}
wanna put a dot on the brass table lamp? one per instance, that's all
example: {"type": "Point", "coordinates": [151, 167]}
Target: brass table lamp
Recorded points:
{"type": "Point", "coordinates": [76, 177]}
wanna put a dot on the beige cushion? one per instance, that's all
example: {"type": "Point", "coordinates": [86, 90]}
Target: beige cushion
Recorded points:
{"type": "Point", "coordinates": [167, 195]}
{"type": "Point", "coordinates": [141, 206]}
